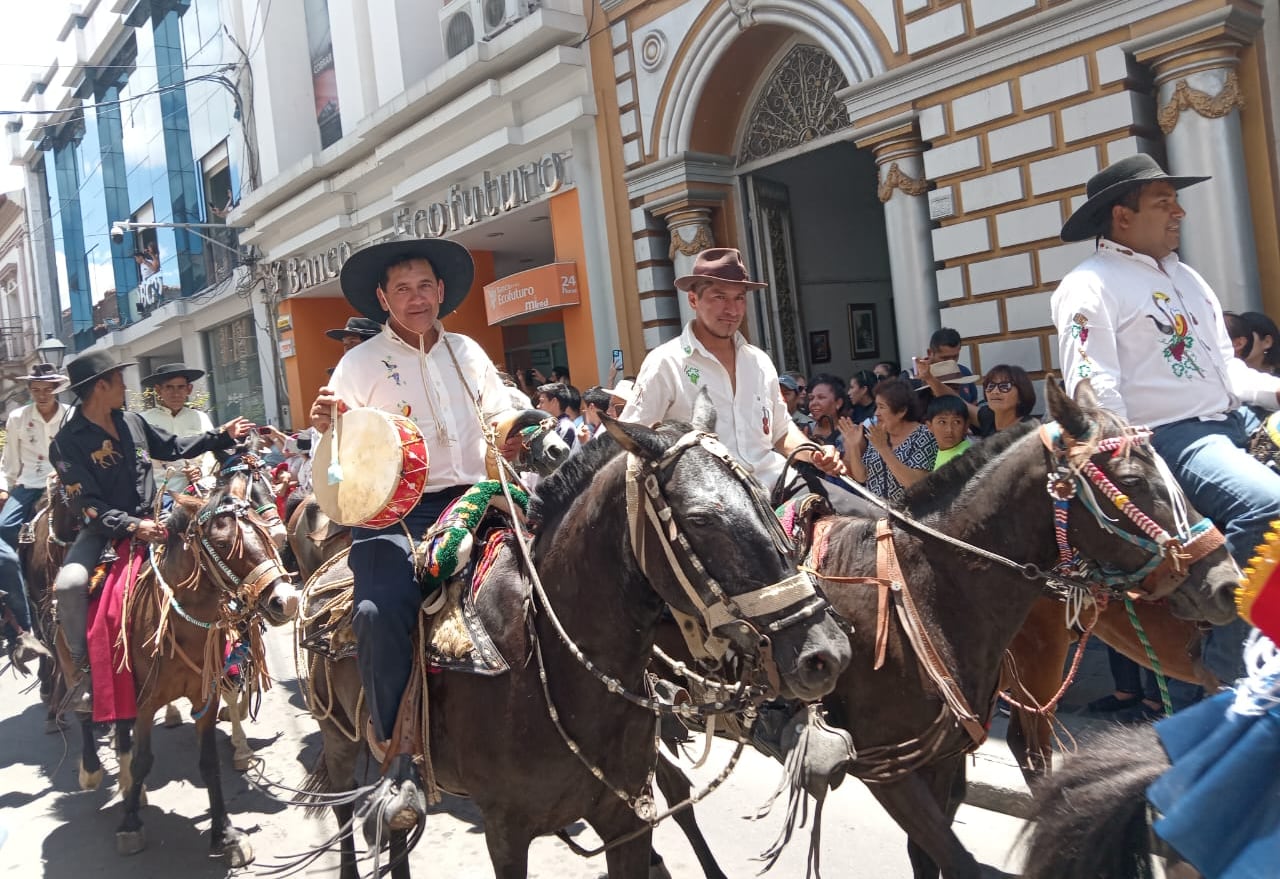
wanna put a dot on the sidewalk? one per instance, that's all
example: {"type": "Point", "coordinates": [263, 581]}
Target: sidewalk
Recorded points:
{"type": "Point", "coordinates": [995, 782]}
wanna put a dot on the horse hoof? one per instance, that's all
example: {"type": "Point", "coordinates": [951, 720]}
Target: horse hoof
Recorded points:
{"type": "Point", "coordinates": [242, 762]}
{"type": "Point", "coordinates": [90, 780]}
{"type": "Point", "coordinates": [238, 851]}
{"type": "Point", "coordinates": [172, 717]}
{"type": "Point", "coordinates": [130, 843]}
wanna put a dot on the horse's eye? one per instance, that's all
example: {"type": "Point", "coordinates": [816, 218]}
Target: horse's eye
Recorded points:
{"type": "Point", "coordinates": [698, 520]}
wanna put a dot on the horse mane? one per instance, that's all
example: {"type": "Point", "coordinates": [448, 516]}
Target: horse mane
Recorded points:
{"type": "Point", "coordinates": [940, 488]}
{"type": "Point", "coordinates": [554, 494]}
{"type": "Point", "coordinates": [184, 511]}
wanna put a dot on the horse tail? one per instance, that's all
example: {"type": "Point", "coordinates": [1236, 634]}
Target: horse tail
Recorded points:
{"type": "Point", "coordinates": [315, 788]}
{"type": "Point", "coordinates": [1090, 817]}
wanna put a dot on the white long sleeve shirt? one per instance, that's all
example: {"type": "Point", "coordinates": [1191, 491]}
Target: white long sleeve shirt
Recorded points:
{"type": "Point", "coordinates": [187, 422]}
{"type": "Point", "coordinates": [749, 421]}
{"type": "Point", "coordinates": [1150, 338]}
{"type": "Point", "coordinates": [389, 373]}
{"type": "Point", "coordinates": [25, 460]}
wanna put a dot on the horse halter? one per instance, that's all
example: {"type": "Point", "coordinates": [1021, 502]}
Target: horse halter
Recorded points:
{"type": "Point", "coordinates": [1171, 555]}
{"type": "Point", "coordinates": [795, 597]}
{"type": "Point", "coordinates": [254, 468]}
{"type": "Point", "coordinates": [245, 590]}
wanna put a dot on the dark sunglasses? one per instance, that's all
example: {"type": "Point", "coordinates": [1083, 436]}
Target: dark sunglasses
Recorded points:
{"type": "Point", "coordinates": [1002, 387]}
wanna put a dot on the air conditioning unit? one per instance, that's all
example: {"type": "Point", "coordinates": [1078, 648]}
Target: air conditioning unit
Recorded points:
{"type": "Point", "coordinates": [463, 22]}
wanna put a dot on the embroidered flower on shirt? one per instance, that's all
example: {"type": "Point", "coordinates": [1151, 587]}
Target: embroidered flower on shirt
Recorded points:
{"type": "Point", "coordinates": [1179, 342]}
{"type": "Point", "coordinates": [694, 373]}
{"type": "Point", "coordinates": [405, 409]}
{"type": "Point", "coordinates": [393, 370]}
{"type": "Point", "coordinates": [1080, 332]}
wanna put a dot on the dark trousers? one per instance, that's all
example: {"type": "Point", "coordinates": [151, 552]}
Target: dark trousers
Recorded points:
{"type": "Point", "coordinates": [1133, 678]}
{"type": "Point", "coordinates": [17, 510]}
{"type": "Point", "coordinates": [387, 598]}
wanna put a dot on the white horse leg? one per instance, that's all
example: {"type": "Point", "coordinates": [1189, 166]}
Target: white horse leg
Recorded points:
{"type": "Point", "coordinates": [172, 717]}
{"type": "Point", "coordinates": [124, 778]}
{"type": "Point", "coordinates": [237, 705]}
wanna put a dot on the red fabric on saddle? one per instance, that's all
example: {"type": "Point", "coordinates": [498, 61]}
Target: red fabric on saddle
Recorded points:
{"type": "Point", "coordinates": [114, 696]}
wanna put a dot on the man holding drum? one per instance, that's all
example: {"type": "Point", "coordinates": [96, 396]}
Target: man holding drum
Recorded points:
{"type": "Point", "coordinates": [446, 385]}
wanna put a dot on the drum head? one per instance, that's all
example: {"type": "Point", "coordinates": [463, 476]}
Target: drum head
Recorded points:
{"type": "Point", "coordinates": [369, 451]}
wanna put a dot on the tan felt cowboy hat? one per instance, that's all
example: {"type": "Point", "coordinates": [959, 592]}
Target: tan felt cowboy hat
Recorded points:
{"type": "Point", "coordinates": [92, 366]}
{"type": "Point", "coordinates": [948, 372]}
{"type": "Point", "coordinates": [172, 370]}
{"type": "Point", "coordinates": [46, 373]}
{"type": "Point", "coordinates": [718, 264]}
{"type": "Point", "coordinates": [1108, 186]}
{"type": "Point", "coordinates": [360, 327]}
{"type": "Point", "coordinates": [362, 273]}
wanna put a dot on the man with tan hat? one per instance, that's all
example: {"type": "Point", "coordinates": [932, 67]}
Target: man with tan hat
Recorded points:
{"type": "Point", "coordinates": [751, 416]}
{"type": "Point", "coordinates": [24, 469]}
{"type": "Point", "coordinates": [1146, 332]}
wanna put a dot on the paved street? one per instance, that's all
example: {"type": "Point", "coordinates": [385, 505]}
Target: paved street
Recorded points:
{"type": "Point", "coordinates": [56, 831]}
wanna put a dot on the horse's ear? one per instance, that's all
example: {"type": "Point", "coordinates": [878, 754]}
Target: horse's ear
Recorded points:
{"type": "Point", "coordinates": [635, 438]}
{"type": "Point", "coordinates": [1068, 412]}
{"type": "Point", "coordinates": [704, 412]}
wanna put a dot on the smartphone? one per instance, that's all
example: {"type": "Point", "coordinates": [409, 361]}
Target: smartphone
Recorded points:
{"type": "Point", "coordinates": [617, 359]}
{"type": "Point", "coordinates": [262, 429]}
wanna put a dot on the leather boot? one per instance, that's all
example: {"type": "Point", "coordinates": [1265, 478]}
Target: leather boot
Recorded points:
{"type": "Point", "coordinates": [26, 648]}
{"type": "Point", "coordinates": [79, 696]}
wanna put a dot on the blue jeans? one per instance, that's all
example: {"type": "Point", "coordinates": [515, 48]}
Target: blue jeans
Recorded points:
{"type": "Point", "coordinates": [1239, 493]}
{"type": "Point", "coordinates": [17, 509]}
{"type": "Point", "coordinates": [386, 596]}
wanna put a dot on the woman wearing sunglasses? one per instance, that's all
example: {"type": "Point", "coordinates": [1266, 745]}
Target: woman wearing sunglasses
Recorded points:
{"type": "Point", "coordinates": [1010, 397]}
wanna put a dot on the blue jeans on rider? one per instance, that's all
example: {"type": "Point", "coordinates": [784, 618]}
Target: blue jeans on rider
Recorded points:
{"type": "Point", "coordinates": [386, 596]}
{"type": "Point", "coordinates": [1239, 493]}
{"type": "Point", "coordinates": [17, 509]}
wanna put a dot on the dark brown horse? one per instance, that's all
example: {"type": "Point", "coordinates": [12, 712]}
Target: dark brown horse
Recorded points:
{"type": "Point", "coordinates": [218, 576]}
{"type": "Point", "coordinates": [503, 740]}
{"type": "Point", "coordinates": [910, 740]}
{"type": "Point", "coordinates": [53, 528]}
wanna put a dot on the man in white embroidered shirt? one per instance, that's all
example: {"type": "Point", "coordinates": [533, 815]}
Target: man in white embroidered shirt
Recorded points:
{"type": "Point", "coordinates": [439, 380]}
{"type": "Point", "coordinates": [173, 383]}
{"type": "Point", "coordinates": [751, 416]}
{"type": "Point", "coordinates": [1147, 333]}
{"type": "Point", "coordinates": [24, 469]}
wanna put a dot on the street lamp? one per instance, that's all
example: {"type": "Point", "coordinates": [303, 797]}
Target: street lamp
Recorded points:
{"type": "Point", "coordinates": [51, 351]}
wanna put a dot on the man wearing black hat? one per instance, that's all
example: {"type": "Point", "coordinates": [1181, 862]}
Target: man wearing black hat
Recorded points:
{"type": "Point", "coordinates": [103, 457]}
{"type": "Point", "coordinates": [448, 386]}
{"type": "Point", "coordinates": [357, 330]}
{"type": "Point", "coordinates": [24, 469]}
{"type": "Point", "coordinates": [172, 384]}
{"type": "Point", "coordinates": [1146, 332]}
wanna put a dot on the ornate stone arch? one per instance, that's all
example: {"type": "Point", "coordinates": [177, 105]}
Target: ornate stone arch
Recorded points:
{"type": "Point", "coordinates": [831, 26]}
{"type": "Point", "coordinates": [796, 104]}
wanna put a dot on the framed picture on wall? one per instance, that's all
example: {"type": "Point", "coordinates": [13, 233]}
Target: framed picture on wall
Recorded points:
{"type": "Point", "coordinates": [864, 332]}
{"type": "Point", "coordinates": [820, 346]}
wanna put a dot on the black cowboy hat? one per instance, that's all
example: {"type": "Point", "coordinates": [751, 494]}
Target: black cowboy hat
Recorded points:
{"type": "Point", "coordinates": [362, 273]}
{"type": "Point", "coordinates": [92, 366]}
{"type": "Point", "coordinates": [47, 372]}
{"type": "Point", "coordinates": [1108, 186]}
{"type": "Point", "coordinates": [172, 370]}
{"type": "Point", "coordinates": [356, 326]}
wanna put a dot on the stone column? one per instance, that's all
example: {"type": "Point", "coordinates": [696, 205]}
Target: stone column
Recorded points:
{"type": "Point", "coordinates": [899, 158]}
{"type": "Point", "coordinates": [1199, 103]}
{"type": "Point", "coordinates": [690, 231]}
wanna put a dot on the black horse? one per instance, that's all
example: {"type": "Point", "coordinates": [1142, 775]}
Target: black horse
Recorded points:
{"type": "Point", "coordinates": [503, 741]}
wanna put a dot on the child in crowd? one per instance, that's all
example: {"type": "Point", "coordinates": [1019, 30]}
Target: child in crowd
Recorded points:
{"type": "Point", "coordinates": [948, 421]}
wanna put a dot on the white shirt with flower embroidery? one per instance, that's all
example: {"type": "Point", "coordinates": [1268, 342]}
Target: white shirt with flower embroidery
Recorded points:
{"type": "Point", "coordinates": [25, 460]}
{"type": "Point", "coordinates": [749, 422]}
{"type": "Point", "coordinates": [388, 373]}
{"type": "Point", "coordinates": [1150, 338]}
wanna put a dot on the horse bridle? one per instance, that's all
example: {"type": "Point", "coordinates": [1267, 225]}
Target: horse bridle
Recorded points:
{"type": "Point", "coordinates": [253, 466]}
{"type": "Point", "coordinates": [792, 599]}
{"type": "Point", "coordinates": [246, 590]}
{"type": "Point", "coordinates": [1072, 474]}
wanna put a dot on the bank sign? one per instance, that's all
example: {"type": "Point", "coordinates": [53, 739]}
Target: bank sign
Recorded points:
{"type": "Point", "coordinates": [464, 206]}
{"type": "Point", "coordinates": [530, 292]}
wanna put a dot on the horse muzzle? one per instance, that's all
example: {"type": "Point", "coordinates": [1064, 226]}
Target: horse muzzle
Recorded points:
{"type": "Point", "coordinates": [280, 603]}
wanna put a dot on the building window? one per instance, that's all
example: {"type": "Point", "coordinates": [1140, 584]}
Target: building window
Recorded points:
{"type": "Point", "coordinates": [324, 78]}
{"type": "Point", "coordinates": [215, 175]}
{"type": "Point", "coordinates": [235, 376]}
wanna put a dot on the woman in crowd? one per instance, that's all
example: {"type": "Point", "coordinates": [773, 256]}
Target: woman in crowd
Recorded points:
{"type": "Point", "coordinates": [862, 402]}
{"type": "Point", "coordinates": [827, 403]}
{"type": "Point", "coordinates": [1010, 397]}
{"type": "Point", "coordinates": [1254, 337]}
{"type": "Point", "coordinates": [895, 452]}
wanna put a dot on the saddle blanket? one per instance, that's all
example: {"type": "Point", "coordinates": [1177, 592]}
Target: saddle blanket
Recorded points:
{"type": "Point", "coordinates": [114, 696]}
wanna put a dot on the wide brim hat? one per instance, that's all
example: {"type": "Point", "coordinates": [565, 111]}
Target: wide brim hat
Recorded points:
{"type": "Point", "coordinates": [949, 373]}
{"type": "Point", "coordinates": [172, 370]}
{"type": "Point", "coordinates": [624, 390]}
{"type": "Point", "coordinates": [362, 273]}
{"type": "Point", "coordinates": [92, 366]}
{"type": "Point", "coordinates": [356, 326]}
{"type": "Point", "coordinates": [1109, 185]}
{"type": "Point", "coordinates": [719, 264]}
{"type": "Point", "coordinates": [47, 373]}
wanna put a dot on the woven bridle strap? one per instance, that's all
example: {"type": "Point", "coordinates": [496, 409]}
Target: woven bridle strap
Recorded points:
{"type": "Point", "coordinates": [792, 599]}
{"type": "Point", "coordinates": [248, 588]}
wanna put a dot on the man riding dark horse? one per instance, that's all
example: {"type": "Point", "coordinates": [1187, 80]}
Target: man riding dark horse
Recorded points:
{"type": "Point", "coordinates": [103, 457]}
{"type": "Point", "coordinates": [24, 470]}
